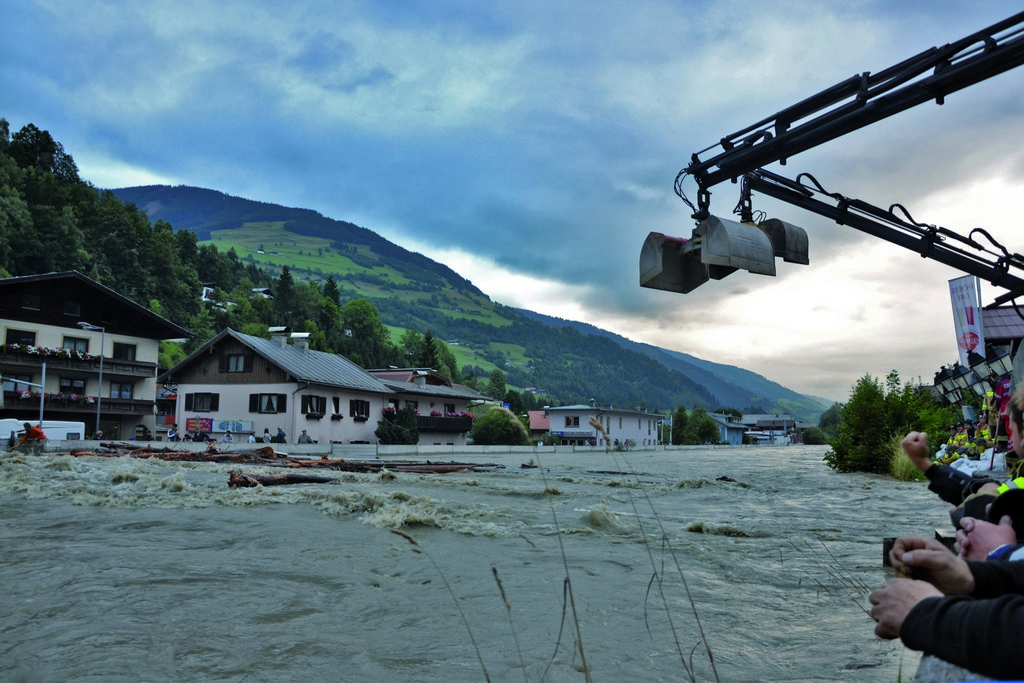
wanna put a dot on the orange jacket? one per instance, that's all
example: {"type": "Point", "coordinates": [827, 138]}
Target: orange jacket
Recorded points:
{"type": "Point", "coordinates": [32, 433]}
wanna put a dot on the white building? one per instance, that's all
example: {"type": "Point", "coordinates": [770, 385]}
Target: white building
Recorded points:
{"type": "Point", "coordinates": [100, 350]}
{"type": "Point", "coordinates": [248, 384]}
{"type": "Point", "coordinates": [593, 425]}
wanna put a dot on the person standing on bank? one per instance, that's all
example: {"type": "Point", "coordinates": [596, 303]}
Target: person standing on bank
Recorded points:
{"type": "Point", "coordinates": [32, 439]}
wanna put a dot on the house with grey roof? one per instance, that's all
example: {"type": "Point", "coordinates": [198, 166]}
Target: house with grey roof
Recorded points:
{"type": "Point", "coordinates": [444, 409]}
{"type": "Point", "coordinates": [730, 428]}
{"type": "Point", "coordinates": [246, 384]}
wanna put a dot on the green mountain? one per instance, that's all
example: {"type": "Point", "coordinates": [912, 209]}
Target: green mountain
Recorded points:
{"type": "Point", "coordinates": [570, 362]}
{"type": "Point", "coordinates": [730, 385]}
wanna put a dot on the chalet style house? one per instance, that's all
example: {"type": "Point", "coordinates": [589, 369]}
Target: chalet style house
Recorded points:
{"type": "Point", "coordinates": [250, 385]}
{"type": "Point", "coordinates": [81, 332]}
{"type": "Point", "coordinates": [578, 426]}
{"type": "Point", "coordinates": [441, 405]}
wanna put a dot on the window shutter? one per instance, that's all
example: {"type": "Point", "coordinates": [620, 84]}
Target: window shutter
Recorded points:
{"type": "Point", "coordinates": [189, 400]}
{"type": "Point", "coordinates": [214, 402]}
{"type": "Point", "coordinates": [222, 362]}
{"type": "Point", "coordinates": [254, 403]}
{"type": "Point", "coordinates": [248, 362]}
{"type": "Point", "coordinates": [305, 404]}
{"type": "Point", "coordinates": [282, 403]}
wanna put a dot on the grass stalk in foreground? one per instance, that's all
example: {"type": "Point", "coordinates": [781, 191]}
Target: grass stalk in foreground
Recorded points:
{"type": "Point", "coordinates": [567, 583]}
{"type": "Point", "coordinates": [512, 627]}
{"type": "Point", "coordinates": [656, 576]}
{"type": "Point", "coordinates": [417, 548]}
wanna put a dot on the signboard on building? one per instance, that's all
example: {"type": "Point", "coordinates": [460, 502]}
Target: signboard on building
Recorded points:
{"type": "Point", "coordinates": [233, 426]}
{"type": "Point", "coordinates": [198, 424]}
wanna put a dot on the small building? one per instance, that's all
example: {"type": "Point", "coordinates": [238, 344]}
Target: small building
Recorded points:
{"type": "Point", "coordinates": [100, 351]}
{"type": "Point", "coordinates": [594, 425]}
{"type": "Point", "coordinates": [540, 422]}
{"type": "Point", "coordinates": [444, 410]}
{"type": "Point", "coordinates": [771, 428]}
{"type": "Point", "coordinates": [730, 428]}
{"type": "Point", "coordinates": [246, 384]}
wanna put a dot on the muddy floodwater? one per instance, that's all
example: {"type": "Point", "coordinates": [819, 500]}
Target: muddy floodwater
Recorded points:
{"type": "Point", "coordinates": [119, 569]}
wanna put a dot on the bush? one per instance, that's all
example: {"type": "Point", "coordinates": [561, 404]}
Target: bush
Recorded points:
{"type": "Point", "coordinates": [398, 427]}
{"type": "Point", "coordinates": [499, 427]}
{"type": "Point", "coordinates": [701, 428]}
{"type": "Point", "coordinates": [813, 436]}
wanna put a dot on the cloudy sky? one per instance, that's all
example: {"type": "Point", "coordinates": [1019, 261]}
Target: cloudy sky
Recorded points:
{"type": "Point", "coordinates": [532, 145]}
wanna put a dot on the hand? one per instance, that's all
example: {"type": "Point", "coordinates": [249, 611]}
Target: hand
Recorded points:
{"type": "Point", "coordinates": [929, 560]}
{"type": "Point", "coordinates": [915, 445]}
{"type": "Point", "coordinates": [893, 601]}
{"type": "Point", "coordinates": [977, 538]}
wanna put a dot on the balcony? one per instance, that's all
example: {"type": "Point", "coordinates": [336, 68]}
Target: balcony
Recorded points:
{"type": "Point", "coordinates": [111, 367]}
{"type": "Point", "coordinates": [123, 406]}
{"type": "Point", "coordinates": [451, 425]}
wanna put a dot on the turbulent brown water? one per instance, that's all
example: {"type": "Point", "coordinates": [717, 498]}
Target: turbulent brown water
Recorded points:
{"type": "Point", "coordinates": [129, 570]}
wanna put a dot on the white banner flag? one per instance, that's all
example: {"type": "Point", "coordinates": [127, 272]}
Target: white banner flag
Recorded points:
{"type": "Point", "coordinates": [965, 293]}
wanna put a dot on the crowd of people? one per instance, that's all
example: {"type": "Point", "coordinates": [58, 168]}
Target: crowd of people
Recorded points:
{"type": "Point", "coordinates": [965, 606]}
{"type": "Point", "coordinates": [280, 437]}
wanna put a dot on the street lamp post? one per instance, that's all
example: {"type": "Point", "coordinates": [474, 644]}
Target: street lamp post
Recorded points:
{"type": "Point", "coordinates": [99, 393]}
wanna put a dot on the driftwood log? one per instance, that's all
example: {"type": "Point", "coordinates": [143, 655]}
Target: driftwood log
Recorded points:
{"type": "Point", "coordinates": [252, 480]}
{"type": "Point", "coordinates": [266, 456]}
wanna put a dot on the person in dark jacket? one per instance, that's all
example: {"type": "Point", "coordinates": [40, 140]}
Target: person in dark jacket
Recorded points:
{"type": "Point", "coordinates": [281, 438]}
{"type": "Point", "coordinates": [967, 613]}
{"type": "Point", "coordinates": [960, 489]}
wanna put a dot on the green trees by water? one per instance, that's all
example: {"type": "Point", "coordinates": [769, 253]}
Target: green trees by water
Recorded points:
{"type": "Point", "coordinates": [499, 426]}
{"type": "Point", "coordinates": [693, 427]}
{"type": "Point", "coordinates": [875, 414]}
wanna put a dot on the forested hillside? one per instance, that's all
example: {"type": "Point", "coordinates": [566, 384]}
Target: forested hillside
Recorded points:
{"type": "Point", "coordinates": [356, 293]}
{"type": "Point", "coordinates": [730, 385]}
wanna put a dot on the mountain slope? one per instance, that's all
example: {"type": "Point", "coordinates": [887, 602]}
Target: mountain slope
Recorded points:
{"type": "Point", "coordinates": [728, 384]}
{"type": "Point", "coordinates": [572, 362]}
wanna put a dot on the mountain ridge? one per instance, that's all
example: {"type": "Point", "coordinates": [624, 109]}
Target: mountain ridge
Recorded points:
{"type": "Point", "coordinates": [412, 291]}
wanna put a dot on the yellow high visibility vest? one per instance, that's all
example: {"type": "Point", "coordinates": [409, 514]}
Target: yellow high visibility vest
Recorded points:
{"type": "Point", "coordinates": [1017, 483]}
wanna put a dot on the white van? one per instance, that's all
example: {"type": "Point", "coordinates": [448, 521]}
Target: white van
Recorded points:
{"type": "Point", "coordinates": [54, 430]}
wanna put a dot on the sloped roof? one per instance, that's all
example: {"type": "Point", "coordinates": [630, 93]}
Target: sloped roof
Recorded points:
{"type": "Point", "coordinates": [584, 407]}
{"type": "Point", "coordinates": [751, 419]}
{"type": "Point", "coordinates": [1002, 324]}
{"type": "Point", "coordinates": [138, 321]}
{"type": "Point", "coordinates": [539, 420]}
{"type": "Point", "coordinates": [429, 375]}
{"type": "Point", "coordinates": [304, 365]}
{"type": "Point", "coordinates": [724, 422]}
{"type": "Point", "coordinates": [437, 390]}
{"type": "Point", "coordinates": [403, 381]}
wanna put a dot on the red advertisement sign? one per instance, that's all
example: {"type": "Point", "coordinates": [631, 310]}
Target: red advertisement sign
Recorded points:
{"type": "Point", "coordinates": [195, 424]}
